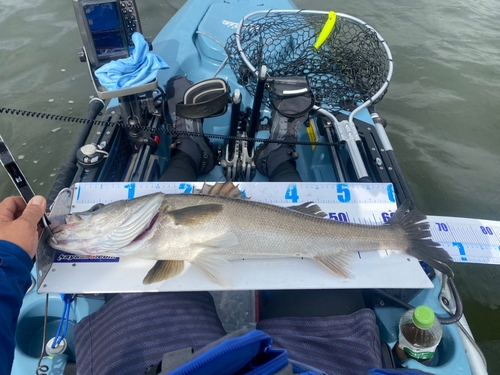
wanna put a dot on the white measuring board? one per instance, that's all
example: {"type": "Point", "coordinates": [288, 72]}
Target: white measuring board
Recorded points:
{"type": "Point", "coordinates": [467, 240]}
{"type": "Point", "coordinates": [357, 203]}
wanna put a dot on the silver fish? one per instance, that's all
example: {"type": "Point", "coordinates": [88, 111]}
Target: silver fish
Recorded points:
{"type": "Point", "coordinates": [215, 225]}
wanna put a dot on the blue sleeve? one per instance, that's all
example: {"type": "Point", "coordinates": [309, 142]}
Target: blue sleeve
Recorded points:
{"type": "Point", "coordinates": [15, 279]}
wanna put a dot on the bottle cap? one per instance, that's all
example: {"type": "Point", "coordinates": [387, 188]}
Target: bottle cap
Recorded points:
{"type": "Point", "coordinates": [423, 317]}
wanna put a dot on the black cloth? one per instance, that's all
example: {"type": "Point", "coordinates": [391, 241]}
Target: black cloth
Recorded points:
{"type": "Point", "coordinates": [183, 168]}
{"type": "Point", "coordinates": [285, 172]}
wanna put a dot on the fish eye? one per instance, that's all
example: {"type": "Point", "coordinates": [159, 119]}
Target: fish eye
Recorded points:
{"type": "Point", "coordinates": [95, 207]}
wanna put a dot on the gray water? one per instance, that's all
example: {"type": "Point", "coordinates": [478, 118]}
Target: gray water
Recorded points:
{"type": "Point", "coordinates": [440, 108]}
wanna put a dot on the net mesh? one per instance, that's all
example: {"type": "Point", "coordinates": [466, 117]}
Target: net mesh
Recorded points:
{"type": "Point", "coordinates": [347, 70]}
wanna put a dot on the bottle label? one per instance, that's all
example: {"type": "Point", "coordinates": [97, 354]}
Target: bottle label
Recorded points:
{"type": "Point", "coordinates": [419, 356]}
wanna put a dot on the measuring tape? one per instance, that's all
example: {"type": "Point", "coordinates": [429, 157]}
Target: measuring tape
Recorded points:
{"type": "Point", "coordinates": [467, 240]}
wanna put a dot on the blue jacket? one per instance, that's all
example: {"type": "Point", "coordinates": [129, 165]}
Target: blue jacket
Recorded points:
{"type": "Point", "coordinates": [15, 268]}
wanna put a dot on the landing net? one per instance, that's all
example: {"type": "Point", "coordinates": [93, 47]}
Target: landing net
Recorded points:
{"type": "Point", "coordinates": [351, 67]}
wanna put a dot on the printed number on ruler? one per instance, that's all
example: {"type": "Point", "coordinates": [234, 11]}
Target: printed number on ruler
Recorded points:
{"type": "Point", "coordinates": [339, 216]}
{"type": "Point", "coordinates": [386, 216]}
{"type": "Point", "coordinates": [487, 230]}
{"type": "Point", "coordinates": [291, 193]}
{"type": "Point", "coordinates": [131, 190]}
{"type": "Point", "coordinates": [461, 249]}
{"type": "Point", "coordinates": [188, 188]}
{"type": "Point", "coordinates": [390, 194]}
{"type": "Point", "coordinates": [344, 195]}
{"type": "Point", "coordinates": [442, 227]}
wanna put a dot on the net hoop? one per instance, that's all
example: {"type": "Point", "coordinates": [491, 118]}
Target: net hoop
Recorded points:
{"type": "Point", "coordinates": [255, 72]}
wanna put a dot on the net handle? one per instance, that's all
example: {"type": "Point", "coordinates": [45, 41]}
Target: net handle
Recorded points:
{"type": "Point", "coordinates": [254, 70]}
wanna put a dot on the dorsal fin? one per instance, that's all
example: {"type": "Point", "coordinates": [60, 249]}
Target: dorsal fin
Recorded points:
{"type": "Point", "coordinates": [308, 208]}
{"type": "Point", "coordinates": [221, 189]}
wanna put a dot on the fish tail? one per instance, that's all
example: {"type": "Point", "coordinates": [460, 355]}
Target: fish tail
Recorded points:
{"type": "Point", "coordinates": [421, 246]}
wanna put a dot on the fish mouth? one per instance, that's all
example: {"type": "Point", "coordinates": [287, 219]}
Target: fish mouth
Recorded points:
{"type": "Point", "coordinates": [103, 236]}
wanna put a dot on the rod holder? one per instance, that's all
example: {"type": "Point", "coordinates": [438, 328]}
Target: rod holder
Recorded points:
{"type": "Point", "coordinates": [235, 119]}
{"type": "Point", "coordinates": [259, 94]}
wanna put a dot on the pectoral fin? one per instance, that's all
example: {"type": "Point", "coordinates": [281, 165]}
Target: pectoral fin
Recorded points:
{"type": "Point", "coordinates": [195, 215]}
{"type": "Point", "coordinates": [214, 268]}
{"type": "Point", "coordinates": [226, 240]}
{"type": "Point", "coordinates": [163, 270]}
{"type": "Point", "coordinates": [338, 264]}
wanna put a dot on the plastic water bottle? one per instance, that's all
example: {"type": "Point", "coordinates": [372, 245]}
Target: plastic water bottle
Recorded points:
{"type": "Point", "coordinates": [419, 335]}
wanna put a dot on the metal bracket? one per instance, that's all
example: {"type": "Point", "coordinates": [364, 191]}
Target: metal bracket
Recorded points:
{"type": "Point", "coordinates": [347, 131]}
{"type": "Point", "coordinates": [150, 103]}
{"type": "Point", "coordinates": [348, 134]}
{"type": "Point", "coordinates": [45, 254]}
{"type": "Point", "coordinates": [242, 162]}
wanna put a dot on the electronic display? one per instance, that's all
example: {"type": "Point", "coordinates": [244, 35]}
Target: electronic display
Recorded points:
{"type": "Point", "coordinates": [104, 26]}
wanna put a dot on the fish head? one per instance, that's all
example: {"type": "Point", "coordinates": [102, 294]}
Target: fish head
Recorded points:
{"type": "Point", "coordinates": [109, 227]}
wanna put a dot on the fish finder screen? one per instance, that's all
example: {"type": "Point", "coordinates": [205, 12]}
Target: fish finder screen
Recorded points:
{"type": "Point", "coordinates": [104, 26]}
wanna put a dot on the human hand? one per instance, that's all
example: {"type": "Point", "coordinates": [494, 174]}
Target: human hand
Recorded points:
{"type": "Point", "coordinates": [19, 222]}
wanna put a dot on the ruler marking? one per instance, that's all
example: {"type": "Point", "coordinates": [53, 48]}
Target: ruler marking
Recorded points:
{"type": "Point", "coordinates": [459, 234]}
{"type": "Point", "coordinates": [465, 234]}
{"type": "Point", "coordinates": [450, 231]}
{"type": "Point", "coordinates": [434, 234]}
{"type": "Point", "coordinates": [439, 234]}
{"type": "Point", "coordinates": [470, 234]}
{"type": "Point", "coordinates": [475, 235]}
{"type": "Point", "coordinates": [495, 234]}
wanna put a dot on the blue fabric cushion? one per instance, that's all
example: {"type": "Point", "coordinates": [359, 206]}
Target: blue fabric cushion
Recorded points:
{"type": "Point", "coordinates": [138, 69]}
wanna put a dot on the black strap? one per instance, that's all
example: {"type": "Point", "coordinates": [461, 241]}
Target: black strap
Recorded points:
{"type": "Point", "coordinates": [208, 98]}
{"type": "Point", "coordinates": [289, 87]}
{"type": "Point", "coordinates": [210, 108]}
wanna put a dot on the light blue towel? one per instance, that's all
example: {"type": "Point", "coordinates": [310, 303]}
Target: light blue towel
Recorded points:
{"type": "Point", "coordinates": [140, 68]}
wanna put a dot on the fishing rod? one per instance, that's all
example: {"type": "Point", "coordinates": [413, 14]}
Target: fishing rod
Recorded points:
{"type": "Point", "coordinates": [21, 183]}
{"type": "Point", "coordinates": [49, 116]}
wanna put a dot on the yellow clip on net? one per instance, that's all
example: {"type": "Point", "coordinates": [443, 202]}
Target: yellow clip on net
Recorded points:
{"type": "Point", "coordinates": [327, 29]}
